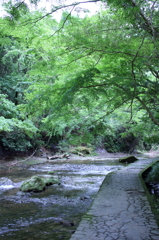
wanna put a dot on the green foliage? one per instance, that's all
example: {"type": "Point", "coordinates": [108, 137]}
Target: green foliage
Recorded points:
{"type": "Point", "coordinates": [16, 130]}
{"type": "Point", "coordinates": [15, 133]}
{"type": "Point", "coordinates": [7, 108]}
{"type": "Point", "coordinates": [153, 175]}
{"type": "Point", "coordinates": [16, 141]}
{"type": "Point", "coordinates": [91, 80]}
{"type": "Point", "coordinates": [15, 11]}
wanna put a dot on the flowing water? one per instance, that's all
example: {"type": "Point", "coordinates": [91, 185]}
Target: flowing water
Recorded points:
{"type": "Point", "coordinates": [55, 213]}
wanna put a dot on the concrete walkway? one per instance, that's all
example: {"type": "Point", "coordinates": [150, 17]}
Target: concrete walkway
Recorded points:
{"type": "Point", "coordinates": [120, 210]}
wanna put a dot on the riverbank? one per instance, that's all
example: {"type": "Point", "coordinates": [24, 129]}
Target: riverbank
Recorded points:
{"type": "Point", "coordinates": [21, 163]}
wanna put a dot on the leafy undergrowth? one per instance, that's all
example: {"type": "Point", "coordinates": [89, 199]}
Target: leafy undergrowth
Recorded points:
{"type": "Point", "coordinates": [152, 182]}
{"type": "Point", "coordinates": [153, 175]}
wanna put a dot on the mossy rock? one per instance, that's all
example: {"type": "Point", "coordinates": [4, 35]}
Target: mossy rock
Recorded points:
{"type": "Point", "coordinates": [128, 159]}
{"type": "Point", "coordinates": [51, 172]}
{"type": "Point", "coordinates": [37, 184]}
{"type": "Point", "coordinates": [82, 150]}
{"type": "Point", "coordinates": [51, 181]}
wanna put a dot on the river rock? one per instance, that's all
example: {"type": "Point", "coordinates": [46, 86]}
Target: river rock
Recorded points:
{"type": "Point", "coordinates": [51, 181]}
{"type": "Point", "coordinates": [128, 159]}
{"type": "Point", "coordinates": [37, 184]}
{"type": "Point", "coordinates": [66, 223]}
{"type": "Point", "coordinates": [23, 194]}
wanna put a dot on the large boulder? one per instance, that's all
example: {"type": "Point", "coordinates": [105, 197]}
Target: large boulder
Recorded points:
{"type": "Point", "coordinates": [128, 159]}
{"type": "Point", "coordinates": [37, 184]}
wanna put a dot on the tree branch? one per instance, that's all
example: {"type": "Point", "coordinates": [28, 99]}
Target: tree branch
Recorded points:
{"type": "Point", "coordinates": [14, 163]}
{"type": "Point", "coordinates": [148, 111]}
{"type": "Point", "coordinates": [147, 22]}
{"type": "Point", "coordinates": [56, 8]}
{"type": "Point", "coordinates": [133, 72]}
{"type": "Point", "coordinates": [63, 23]}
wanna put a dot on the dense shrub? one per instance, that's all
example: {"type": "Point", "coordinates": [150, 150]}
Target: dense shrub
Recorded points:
{"type": "Point", "coordinates": [153, 175]}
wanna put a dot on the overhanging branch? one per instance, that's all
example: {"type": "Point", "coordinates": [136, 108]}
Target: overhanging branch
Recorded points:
{"type": "Point", "coordinates": [148, 23]}
{"type": "Point", "coordinates": [57, 8]}
{"type": "Point", "coordinates": [148, 111]}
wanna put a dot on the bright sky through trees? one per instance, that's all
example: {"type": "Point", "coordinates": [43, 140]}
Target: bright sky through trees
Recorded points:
{"type": "Point", "coordinates": [81, 10]}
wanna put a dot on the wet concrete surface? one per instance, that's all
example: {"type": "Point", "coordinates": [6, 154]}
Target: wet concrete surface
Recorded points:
{"type": "Point", "coordinates": [121, 210]}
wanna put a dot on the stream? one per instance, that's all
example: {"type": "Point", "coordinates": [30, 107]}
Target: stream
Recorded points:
{"type": "Point", "coordinates": [56, 212]}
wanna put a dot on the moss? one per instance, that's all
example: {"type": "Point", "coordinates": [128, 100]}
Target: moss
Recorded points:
{"type": "Point", "coordinates": [51, 181]}
{"type": "Point", "coordinates": [51, 172]}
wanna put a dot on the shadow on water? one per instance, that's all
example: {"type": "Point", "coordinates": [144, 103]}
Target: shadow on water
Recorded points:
{"type": "Point", "coordinates": [55, 213]}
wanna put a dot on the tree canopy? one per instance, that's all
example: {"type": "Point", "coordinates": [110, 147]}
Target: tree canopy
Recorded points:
{"type": "Point", "coordinates": [80, 79]}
